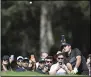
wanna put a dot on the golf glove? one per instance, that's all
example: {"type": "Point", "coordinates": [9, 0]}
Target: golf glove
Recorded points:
{"type": "Point", "coordinates": [75, 70]}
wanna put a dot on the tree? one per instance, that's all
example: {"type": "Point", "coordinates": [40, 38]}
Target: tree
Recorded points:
{"type": "Point", "coordinates": [19, 27]}
{"type": "Point", "coordinates": [46, 36]}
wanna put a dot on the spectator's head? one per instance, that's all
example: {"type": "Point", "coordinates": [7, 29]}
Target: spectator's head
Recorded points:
{"type": "Point", "coordinates": [43, 55]}
{"type": "Point", "coordinates": [11, 58]}
{"type": "Point", "coordinates": [49, 60]}
{"type": "Point", "coordinates": [25, 62]}
{"type": "Point", "coordinates": [65, 47]}
{"type": "Point", "coordinates": [30, 63]}
{"type": "Point", "coordinates": [59, 52]}
{"type": "Point", "coordinates": [5, 60]}
{"type": "Point", "coordinates": [89, 61]}
{"type": "Point", "coordinates": [41, 62]}
{"type": "Point", "coordinates": [33, 58]}
{"type": "Point", "coordinates": [60, 57]}
{"type": "Point", "coordinates": [89, 56]}
{"type": "Point", "coordinates": [19, 60]}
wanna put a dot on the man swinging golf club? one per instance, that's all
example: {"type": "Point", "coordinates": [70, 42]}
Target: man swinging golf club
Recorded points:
{"type": "Point", "coordinates": [76, 59]}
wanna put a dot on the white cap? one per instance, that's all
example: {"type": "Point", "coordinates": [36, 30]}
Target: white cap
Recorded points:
{"type": "Point", "coordinates": [25, 58]}
{"type": "Point", "coordinates": [19, 57]}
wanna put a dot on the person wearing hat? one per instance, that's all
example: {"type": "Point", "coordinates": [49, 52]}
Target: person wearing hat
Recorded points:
{"type": "Point", "coordinates": [41, 65]}
{"type": "Point", "coordinates": [43, 55]}
{"type": "Point", "coordinates": [19, 60]}
{"type": "Point", "coordinates": [5, 63]}
{"type": "Point", "coordinates": [76, 59]}
{"type": "Point", "coordinates": [25, 64]}
{"type": "Point", "coordinates": [60, 68]}
{"type": "Point", "coordinates": [47, 64]}
{"type": "Point", "coordinates": [19, 67]}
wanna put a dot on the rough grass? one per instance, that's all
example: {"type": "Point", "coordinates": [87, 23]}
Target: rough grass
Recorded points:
{"type": "Point", "coordinates": [29, 73]}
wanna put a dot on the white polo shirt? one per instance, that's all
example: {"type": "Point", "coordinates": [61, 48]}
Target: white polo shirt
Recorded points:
{"type": "Point", "coordinates": [61, 71]}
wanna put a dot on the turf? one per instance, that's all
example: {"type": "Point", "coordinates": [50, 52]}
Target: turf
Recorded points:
{"type": "Point", "coordinates": [29, 73]}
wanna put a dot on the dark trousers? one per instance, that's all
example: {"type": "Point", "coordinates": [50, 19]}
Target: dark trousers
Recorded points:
{"type": "Point", "coordinates": [85, 73]}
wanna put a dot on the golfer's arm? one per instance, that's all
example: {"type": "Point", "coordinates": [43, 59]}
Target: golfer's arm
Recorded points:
{"type": "Point", "coordinates": [78, 61]}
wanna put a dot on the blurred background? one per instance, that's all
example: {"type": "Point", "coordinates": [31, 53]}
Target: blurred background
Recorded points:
{"type": "Point", "coordinates": [31, 27]}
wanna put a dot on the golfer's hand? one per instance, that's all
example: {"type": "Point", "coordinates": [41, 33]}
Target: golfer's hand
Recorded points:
{"type": "Point", "coordinates": [74, 71]}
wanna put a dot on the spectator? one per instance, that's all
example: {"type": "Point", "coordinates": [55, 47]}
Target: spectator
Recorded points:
{"type": "Point", "coordinates": [5, 63]}
{"type": "Point", "coordinates": [33, 61]}
{"type": "Point", "coordinates": [19, 67]}
{"type": "Point", "coordinates": [76, 59]}
{"type": "Point", "coordinates": [12, 62]}
{"type": "Point", "coordinates": [25, 64]}
{"type": "Point", "coordinates": [41, 65]}
{"type": "Point", "coordinates": [43, 55]}
{"type": "Point", "coordinates": [31, 65]}
{"type": "Point", "coordinates": [60, 68]}
{"type": "Point", "coordinates": [49, 61]}
{"type": "Point", "coordinates": [89, 63]}
{"type": "Point", "coordinates": [37, 64]}
{"type": "Point", "coordinates": [45, 69]}
{"type": "Point", "coordinates": [11, 58]}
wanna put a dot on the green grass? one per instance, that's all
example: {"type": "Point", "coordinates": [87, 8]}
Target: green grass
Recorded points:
{"type": "Point", "coordinates": [28, 73]}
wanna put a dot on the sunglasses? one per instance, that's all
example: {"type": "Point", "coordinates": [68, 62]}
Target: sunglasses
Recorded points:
{"type": "Point", "coordinates": [20, 60]}
{"type": "Point", "coordinates": [48, 61]}
{"type": "Point", "coordinates": [25, 61]}
{"type": "Point", "coordinates": [60, 58]}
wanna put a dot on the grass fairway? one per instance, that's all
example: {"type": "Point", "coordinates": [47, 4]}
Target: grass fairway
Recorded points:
{"type": "Point", "coordinates": [28, 73]}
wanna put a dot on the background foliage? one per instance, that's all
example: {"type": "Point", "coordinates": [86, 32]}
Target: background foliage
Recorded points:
{"type": "Point", "coordinates": [20, 25]}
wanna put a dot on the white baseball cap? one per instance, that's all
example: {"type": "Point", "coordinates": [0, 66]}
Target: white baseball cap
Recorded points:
{"type": "Point", "coordinates": [25, 58]}
{"type": "Point", "coordinates": [19, 57]}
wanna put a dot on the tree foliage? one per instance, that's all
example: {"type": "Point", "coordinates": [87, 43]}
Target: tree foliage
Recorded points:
{"type": "Point", "coordinates": [21, 25]}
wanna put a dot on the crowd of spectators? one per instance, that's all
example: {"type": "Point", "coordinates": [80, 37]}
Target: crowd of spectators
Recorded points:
{"type": "Point", "coordinates": [45, 64]}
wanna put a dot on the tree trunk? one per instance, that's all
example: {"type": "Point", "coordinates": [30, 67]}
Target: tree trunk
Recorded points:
{"type": "Point", "coordinates": [24, 44]}
{"type": "Point", "coordinates": [49, 34]}
{"type": "Point", "coordinates": [46, 37]}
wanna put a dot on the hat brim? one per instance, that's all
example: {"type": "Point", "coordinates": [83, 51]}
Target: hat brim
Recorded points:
{"type": "Point", "coordinates": [63, 45]}
{"type": "Point", "coordinates": [41, 61]}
